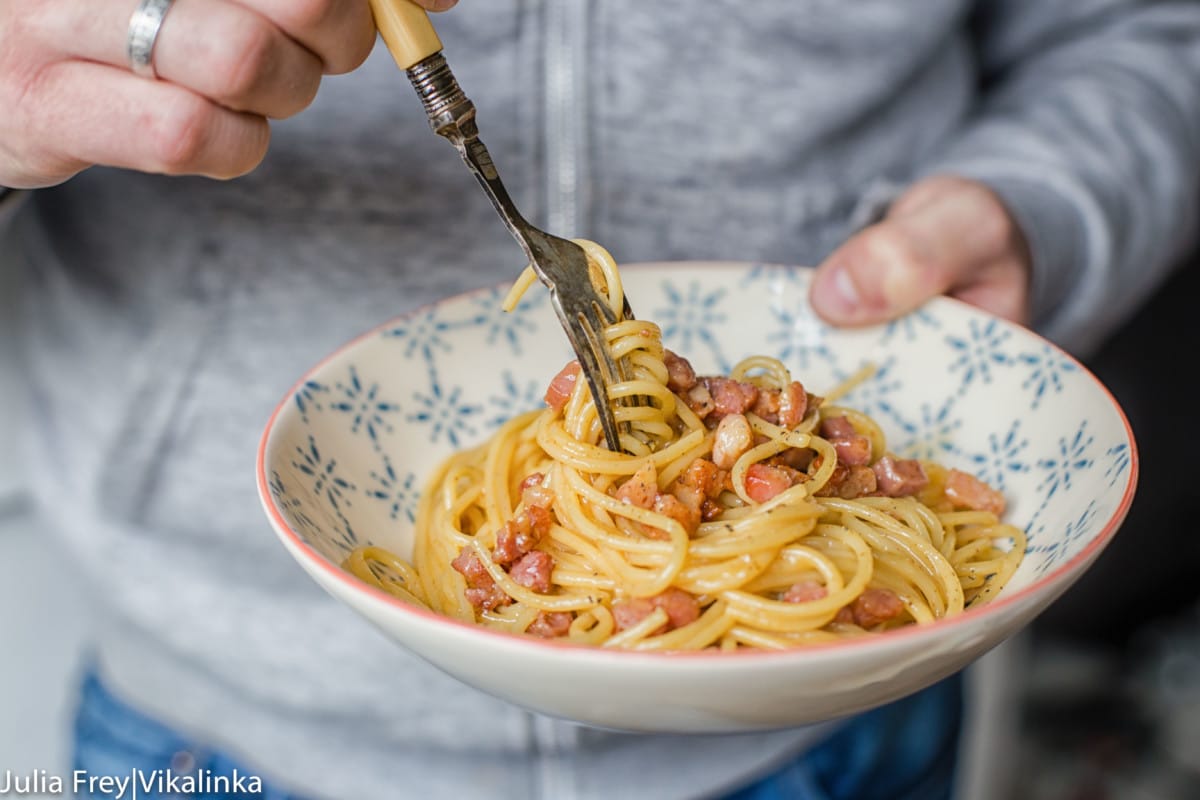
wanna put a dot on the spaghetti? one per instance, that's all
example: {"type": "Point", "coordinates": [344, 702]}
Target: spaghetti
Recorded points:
{"type": "Point", "coordinates": [744, 512]}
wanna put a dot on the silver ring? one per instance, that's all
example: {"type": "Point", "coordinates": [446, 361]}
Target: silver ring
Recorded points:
{"type": "Point", "coordinates": [144, 26]}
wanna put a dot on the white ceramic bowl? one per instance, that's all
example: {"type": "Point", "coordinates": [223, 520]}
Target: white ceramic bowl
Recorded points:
{"type": "Point", "coordinates": [345, 455]}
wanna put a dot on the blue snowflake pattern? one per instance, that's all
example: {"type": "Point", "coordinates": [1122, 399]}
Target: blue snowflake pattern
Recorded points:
{"type": "Point", "coordinates": [325, 478]}
{"type": "Point", "coordinates": [515, 399]}
{"type": "Point", "coordinates": [422, 335]}
{"type": "Point", "coordinates": [445, 414]}
{"type": "Point", "coordinates": [364, 407]}
{"type": "Point", "coordinates": [1003, 459]}
{"type": "Point", "coordinates": [292, 508]}
{"type": "Point", "coordinates": [876, 395]}
{"type": "Point", "coordinates": [508, 326]}
{"type": "Point", "coordinates": [797, 340]}
{"type": "Point", "coordinates": [782, 284]}
{"type": "Point", "coordinates": [933, 438]}
{"type": "Point", "coordinates": [332, 487]}
{"type": "Point", "coordinates": [909, 326]}
{"type": "Point", "coordinates": [1071, 458]}
{"type": "Point", "coordinates": [308, 397]}
{"type": "Point", "coordinates": [1047, 369]}
{"type": "Point", "coordinates": [1060, 548]}
{"type": "Point", "coordinates": [400, 494]}
{"type": "Point", "coordinates": [689, 318]}
{"type": "Point", "coordinates": [1120, 458]}
{"type": "Point", "coordinates": [980, 351]}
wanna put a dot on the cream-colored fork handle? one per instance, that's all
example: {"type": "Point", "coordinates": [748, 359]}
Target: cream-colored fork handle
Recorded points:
{"type": "Point", "coordinates": [406, 30]}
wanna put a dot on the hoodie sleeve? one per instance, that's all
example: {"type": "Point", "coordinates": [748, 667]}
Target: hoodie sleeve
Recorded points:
{"type": "Point", "coordinates": [10, 199]}
{"type": "Point", "coordinates": [1088, 128]}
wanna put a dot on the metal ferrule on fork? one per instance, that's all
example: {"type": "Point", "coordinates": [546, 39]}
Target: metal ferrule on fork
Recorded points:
{"type": "Point", "coordinates": [451, 113]}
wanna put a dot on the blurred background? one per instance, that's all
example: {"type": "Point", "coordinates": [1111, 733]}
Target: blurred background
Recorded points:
{"type": "Point", "coordinates": [1099, 701]}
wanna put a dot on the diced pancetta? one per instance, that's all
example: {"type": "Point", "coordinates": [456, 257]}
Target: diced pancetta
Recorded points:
{"type": "Point", "coordinates": [964, 490]}
{"type": "Point", "coordinates": [562, 385]}
{"type": "Point", "coordinates": [680, 375]}
{"type": "Point", "coordinates": [533, 570]}
{"type": "Point", "coordinates": [899, 477]}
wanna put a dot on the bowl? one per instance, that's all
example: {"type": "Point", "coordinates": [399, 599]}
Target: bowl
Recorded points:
{"type": "Point", "coordinates": [345, 455]}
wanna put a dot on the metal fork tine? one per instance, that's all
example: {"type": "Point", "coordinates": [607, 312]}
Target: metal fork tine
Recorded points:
{"type": "Point", "coordinates": [561, 264]}
{"type": "Point", "coordinates": [585, 332]}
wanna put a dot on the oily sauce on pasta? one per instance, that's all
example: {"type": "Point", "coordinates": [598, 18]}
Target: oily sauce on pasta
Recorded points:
{"type": "Point", "coordinates": [744, 512]}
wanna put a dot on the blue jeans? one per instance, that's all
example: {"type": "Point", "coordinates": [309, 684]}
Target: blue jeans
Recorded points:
{"type": "Point", "coordinates": [902, 751]}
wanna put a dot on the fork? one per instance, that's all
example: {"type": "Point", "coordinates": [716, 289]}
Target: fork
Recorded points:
{"type": "Point", "coordinates": [560, 264]}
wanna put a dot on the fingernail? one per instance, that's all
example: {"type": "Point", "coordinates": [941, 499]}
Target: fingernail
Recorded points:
{"type": "Point", "coordinates": [836, 297]}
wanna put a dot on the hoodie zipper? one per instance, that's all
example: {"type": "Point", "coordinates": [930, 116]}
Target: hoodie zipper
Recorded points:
{"type": "Point", "coordinates": [565, 92]}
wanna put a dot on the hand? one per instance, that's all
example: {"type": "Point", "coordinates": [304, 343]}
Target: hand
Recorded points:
{"type": "Point", "coordinates": [225, 68]}
{"type": "Point", "coordinates": [944, 235]}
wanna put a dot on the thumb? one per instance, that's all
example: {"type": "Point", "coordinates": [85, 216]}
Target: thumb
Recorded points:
{"type": "Point", "coordinates": [936, 236]}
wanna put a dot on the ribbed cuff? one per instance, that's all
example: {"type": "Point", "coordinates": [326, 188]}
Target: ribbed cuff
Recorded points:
{"type": "Point", "coordinates": [1054, 232]}
{"type": "Point", "coordinates": [1065, 234]}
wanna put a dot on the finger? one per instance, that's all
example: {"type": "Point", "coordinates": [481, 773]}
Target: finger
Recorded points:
{"type": "Point", "coordinates": [96, 114]}
{"type": "Point", "coordinates": [217, 48]}
{"type": "Point", "coordinates": [236, 57]}
{"type": "Point", "coordinates": [340, 32]}
{"type": "Point", "coordinates": [437, 5]}
{"type": "Point", "coordinates": [930, 243]}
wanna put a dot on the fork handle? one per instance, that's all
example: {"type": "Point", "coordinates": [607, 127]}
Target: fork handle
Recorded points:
{"type": "Point", "coordinates": [406, 30]}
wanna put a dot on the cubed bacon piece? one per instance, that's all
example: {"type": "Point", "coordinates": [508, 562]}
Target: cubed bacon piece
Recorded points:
{"type": "Point", "coordinates": [730, 396]}
{"type": "Point", "coordinates": [767, 405]}
{"type": "Point", "coordinates": [710, 510]}
{"type": "Point", "coordinates": [521, 534]}
{"type": "Point", "coordinates": [899, 477]}
{"type": "Point", "coordinates": [681, 607]}
{"type": "Point", "coordinates": [704, 476]}
{"type": "Point", "coordinates": [853, 450]}
{"type": "Point", "coordinates": [798, 458]}
{"type": "Point", "coordinates": [680, 375]}
{"type": "Point", "coordinates": [562, 385]}
{"type": "Point", "coordinates": [534, 493]}
{"type": "Point", "coordinates": [785, 407]}
{"type": "Point", "coordinates": [627, 613]}
{"type": "Point", "coordinates": [793, 405]}
{"type": "Point", "coordinates": [732, 438]}
{"type": "Point", "coordinates": [699, 484]}
{"type": "Point", "coordinates": [468, 563]}
{"type": "Point", "coordinates": [764, 481]}
{"type": "Point", "coordinates": [700, 400]}
{"type": "Point", "coordinates": [551, 624]}
{"type": "Point", "coordinates": [482, 592]}
{"type": "Point", "coordinates": [531, 480]}
{"type": "Point", "coordinates": [641, 488]}
{"type": "Point", "coordinates": [533, 570]}
{"type": "Point", "coordinates": [671, 506]}
{"type": "Point", "coordinates": [834, 428]}
{"type": "Point", "coordinates": [805, 591]}
{"type": "Point", "coordinates": [849, 482]}
{"type": "Point", "coordinates": [874, 607]}
{"type": "Point", "coordinates": [964, 490]}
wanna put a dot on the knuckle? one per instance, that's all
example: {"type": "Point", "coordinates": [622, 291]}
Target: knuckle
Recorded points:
{"type": "Point", "coordinates": [244, 58]}
{"type": "Point", "coordinates": [181, 132]}
{"type": "Point", "coordinates": [891, 245]}
{"type": "Point", "coordinates": [303, 95]}
{"type": "Point", "coordinates": [996, 227]}
{"type": "Point", "coordinates": [251, 149]}
{"type": "Point", "coordinates": [310, 15]}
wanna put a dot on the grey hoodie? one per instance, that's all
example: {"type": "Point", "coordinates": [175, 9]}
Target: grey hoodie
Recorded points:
{"type": "Point", "coordinates": [165, 318]}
